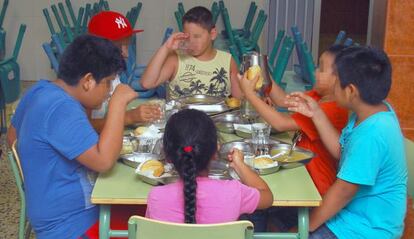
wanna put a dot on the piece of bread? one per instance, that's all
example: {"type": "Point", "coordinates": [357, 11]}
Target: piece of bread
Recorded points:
{"type": "Point", "coordinates": [262, 162]}
{"type": "Point", "coordinates": [233, 102]}
{"type": "Point", "coordinates": [140, 130]}
{"type": "Point", "coordinates": [153, 165]}
{"type": "Point", "coordinates": [252, 72]}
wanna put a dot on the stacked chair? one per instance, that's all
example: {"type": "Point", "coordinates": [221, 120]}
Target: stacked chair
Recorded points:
{"type": "Point", "coordinates": [2, 32]}
{"type": "Point", "coordinates": [9, 74]}
{"type": "Point", "coordinates": [306, 67]}
{"type": "Point", "coordinates": [279, 57]}
{"type": "Point", "coordinates": [342, 39]}
{"type": "Point", "coordinates": [67, 30]}
{"type": "Point", "coordinates": [243, 41]}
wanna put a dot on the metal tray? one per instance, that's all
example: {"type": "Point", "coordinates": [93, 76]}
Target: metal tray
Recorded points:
{"type": "Point", "coordinates": [224, 122]}
{"type": "Point", "coordinates": [205, 103]}
{"type": "Point", "coordinates": [226, 148]}
{"type": "Point", "coordinates": [305, 156]}
{"type": "Point", "coordinates": [134, 159]}
{"type": "Point", "coordinates": [169, 176]}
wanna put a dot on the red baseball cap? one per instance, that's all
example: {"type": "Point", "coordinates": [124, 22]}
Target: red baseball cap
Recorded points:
{"type": "Point", "coordinates": [111, 25]}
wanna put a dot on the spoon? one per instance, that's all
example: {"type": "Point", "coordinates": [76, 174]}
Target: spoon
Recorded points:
{"type": "Point", "coordinates": [296, 137]}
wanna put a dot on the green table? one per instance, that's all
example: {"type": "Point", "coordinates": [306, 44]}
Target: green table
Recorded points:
{"type": "Point", "coordinates": [290, 187]}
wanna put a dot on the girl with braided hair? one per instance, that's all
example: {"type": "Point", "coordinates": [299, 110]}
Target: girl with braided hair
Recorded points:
{"type": "Point", "coordinates": [190, 143]}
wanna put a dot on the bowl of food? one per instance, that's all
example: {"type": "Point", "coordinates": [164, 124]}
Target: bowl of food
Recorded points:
{"type": "Point", "coordinates": [227, 147]}
{"type": "Point", "coordinates": [156, 172]}
{"type": "Point", "coordinates": [205, 103]}
{"type": "Point", "coordinates": [298, 157]}
{"type": "Point", "coordinates": [264, 164]}
{"type": "Point", "coordinates": [134, 159]}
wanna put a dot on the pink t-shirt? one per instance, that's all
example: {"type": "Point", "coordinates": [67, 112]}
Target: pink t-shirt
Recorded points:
{"type": "Point", "coordinates": [217, 201]}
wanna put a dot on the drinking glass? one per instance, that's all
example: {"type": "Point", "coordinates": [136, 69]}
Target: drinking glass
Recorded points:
{"type": "Point", "coordinates": [260, 138]}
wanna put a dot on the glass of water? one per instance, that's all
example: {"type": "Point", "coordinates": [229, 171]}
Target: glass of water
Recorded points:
{"type": "Point", "coordinates": [260, 137]}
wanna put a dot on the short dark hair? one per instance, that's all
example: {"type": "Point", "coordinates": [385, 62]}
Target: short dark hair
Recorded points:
{"type": "Point", "coordinates": [90, 54]}
{"type": "Point", "coordinates": [335, 49]}
{"type": "Point", "coordinates": [369, 69]}
{"type": "Point", "coordinates": [201, 16]}
{"type": "Point", "coordinates": [190, 142]}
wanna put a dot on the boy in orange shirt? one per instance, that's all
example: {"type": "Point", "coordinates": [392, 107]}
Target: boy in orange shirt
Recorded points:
{"type": "Point", "coordinates": [322, 168]}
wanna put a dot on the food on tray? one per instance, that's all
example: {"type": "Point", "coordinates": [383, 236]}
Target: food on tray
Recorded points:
{"type": "Point", "coordinates": [252, 72]}
{"type": "Point", "coordinates": [233, 102]}
{"type": "Point", "coordinates": [295, 156]}
{"type": "Point", "coordinates": [140, 130]}
{"type": "Point", "coordinates": [262, 162]}
{"type": "Point", "coordinates": [153, 165]}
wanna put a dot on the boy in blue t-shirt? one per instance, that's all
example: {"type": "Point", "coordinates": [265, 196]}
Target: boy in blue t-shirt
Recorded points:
{"type": "Point", "coordinates": [368, 199]}
{"type": "Point", "coordinates": [58, 148]}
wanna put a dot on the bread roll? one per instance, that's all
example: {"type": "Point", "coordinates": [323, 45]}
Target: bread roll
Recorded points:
{"type": "Point", "coordinates": [233, 102]}
{"type": "Point", "coordinates": [262, 162]}
{"type": "Point", "coordinates": [153, 165]}
{"type": "Point", "coordinates": [140, 130]}
{"type": "Point", "coordinates": [252, 72]}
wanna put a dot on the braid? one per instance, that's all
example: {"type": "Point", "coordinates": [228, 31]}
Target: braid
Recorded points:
{"type": "Point", "coordinates": [190, 188]}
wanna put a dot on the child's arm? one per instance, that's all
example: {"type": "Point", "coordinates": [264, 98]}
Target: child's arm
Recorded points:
{"type": "Point", "coordinates": [104, 154]}
{"type": "Point", "coordinates": [278, 95]}
{"type": "Point", "coordinates": [337, 197]}
{"type": "Point", "coordinates": [235, 88]}
{"type": "Point", "coordinates": [279, 121]}
{"type": "Point", "coordinates": [304, 104]}
{"type": "Point", "coordinates": [142, 114]}
{"type": "Point", "coordinates": [251, 178]}
{"type": "Point", "coordinates": [163, 64]}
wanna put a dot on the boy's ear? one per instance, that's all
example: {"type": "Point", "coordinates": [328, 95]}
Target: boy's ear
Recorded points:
{"type": "Point", "coordinates": [213, 33]}
{"type": "Point", "coordinates": [353, 91]}
{"type": "Point", "coordinates": [87, 82]}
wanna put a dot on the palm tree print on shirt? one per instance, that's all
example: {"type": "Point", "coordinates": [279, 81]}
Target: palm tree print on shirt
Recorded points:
{"type": "Point", "coordinates": [217, 85]}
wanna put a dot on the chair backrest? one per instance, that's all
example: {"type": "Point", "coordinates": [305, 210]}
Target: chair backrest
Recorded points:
{"type": "Point", "coordinates": [17, 159]}
{"type": "Point", "coordinates": [409, 151]}
{"type": "Point", "coordinates": [141, 227]}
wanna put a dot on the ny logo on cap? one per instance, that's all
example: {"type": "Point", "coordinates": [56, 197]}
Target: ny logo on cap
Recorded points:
{"type": "Point", "coordinates": [120, 22]}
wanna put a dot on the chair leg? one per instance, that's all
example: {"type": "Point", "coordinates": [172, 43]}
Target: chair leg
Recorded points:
{"type": "Point", "coordinates": [28, 230]}
{"type": "Point", "coordinates": [22, 220]}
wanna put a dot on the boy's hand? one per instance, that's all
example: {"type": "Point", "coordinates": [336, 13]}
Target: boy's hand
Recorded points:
{"type": "Point", "coordinates": [123, 94]}
{"type": "Point", "coordinates": [247, 86]}
{"type": "Point", "coordinates": [145, 113]}
{"type": "Point", "coordinates": [303, 104]}
{"type": "Point", "coordinates": [174, 40]}
{"type": "Point", "coordinates": [236, 158]}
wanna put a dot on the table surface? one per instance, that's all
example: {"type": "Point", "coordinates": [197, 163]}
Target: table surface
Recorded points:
{"type": "Point", "coordinates": [290, 187]}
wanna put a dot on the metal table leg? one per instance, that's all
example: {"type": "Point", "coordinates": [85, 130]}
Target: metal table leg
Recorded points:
{"type": "Point", "coordinates": [303, 222]}
{"type": "Point", "coordinates": [104, 221]}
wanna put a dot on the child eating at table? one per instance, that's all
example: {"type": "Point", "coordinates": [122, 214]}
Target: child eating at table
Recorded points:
{"type": "Point", "coordinates": [59, 149]}
{"type": "Point", "coordinates": [190, 143]}
{"type": "Point", "coordinates": [322, 168]}
{"type": "Point", "coordinates": [368, 198]}
{"type": "Point", "coordinates": [200, 69]}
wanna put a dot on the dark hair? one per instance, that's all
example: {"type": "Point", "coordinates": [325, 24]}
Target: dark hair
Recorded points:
{"type": "Point", "coordinates": [201, 16]}
{"type": "Point", "coordinates": [190, 141]}
{"type": "Point", "coordinates": [335, 49]}
{"type": "Point", "coordinates": [369, 69]}
{"type": "Point", "coordinates": [90, 54]}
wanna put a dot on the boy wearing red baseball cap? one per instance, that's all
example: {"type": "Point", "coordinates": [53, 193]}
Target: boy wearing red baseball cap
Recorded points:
{"type": "Point", "coordinates": [116, 28]}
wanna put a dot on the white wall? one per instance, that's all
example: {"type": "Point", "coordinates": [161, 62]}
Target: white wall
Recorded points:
{"type": "Point", "coordinates": [155, 16]}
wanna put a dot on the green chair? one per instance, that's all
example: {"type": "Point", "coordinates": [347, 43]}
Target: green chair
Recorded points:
{"type": "Point", "coordinates": [141, 227]}
{"type": "Point", "coordinates": [282, 61]}
{"type": "Point", "coordinates": [24, 226]}
{"type": "Point", "coordinates": [2, 31]}
{"type": "Point", "coordinates": [409, 154]}
{"type": "Point", "coordinates": [276, 45]}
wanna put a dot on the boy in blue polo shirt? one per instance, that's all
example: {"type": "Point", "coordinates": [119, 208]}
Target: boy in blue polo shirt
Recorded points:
{"type": "Point", "coordinates": [368, 199]}
{"type": "Point", "coordinates": [58, 147]}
